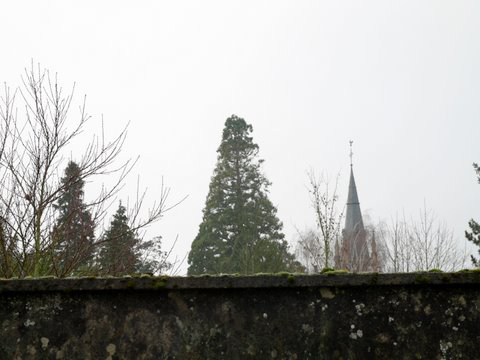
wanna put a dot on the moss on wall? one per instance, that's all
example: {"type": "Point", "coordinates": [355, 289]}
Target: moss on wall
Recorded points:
{"type": "Point", "coordinates": [288, 316]}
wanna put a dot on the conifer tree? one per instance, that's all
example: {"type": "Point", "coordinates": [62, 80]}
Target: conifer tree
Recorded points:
{"type": "Point", "coordinates": [119, 254]}
{"type": "Point", "coordinates": [240, 231]}
{"type": "Point", "coordinates": [73, 234]}
{"type": "Point", "coordinates": [474, 234]}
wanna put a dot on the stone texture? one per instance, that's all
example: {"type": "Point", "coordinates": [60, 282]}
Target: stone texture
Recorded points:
{"type": "Point", "coordinates": [335, 316]}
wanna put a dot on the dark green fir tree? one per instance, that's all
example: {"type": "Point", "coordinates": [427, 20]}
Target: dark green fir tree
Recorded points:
{"type": "Point", "coordinates": [119, 252]}
{"type": "Point", "coordinates": [73, 235]}
{"type": "Point", "coordinates": [474, 234]}
{"type": "Point", "coordinates": [240, 231]}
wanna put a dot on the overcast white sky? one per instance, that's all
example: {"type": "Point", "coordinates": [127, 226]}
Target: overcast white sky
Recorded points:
{"type": "Point", "coordinates": [400, 78]}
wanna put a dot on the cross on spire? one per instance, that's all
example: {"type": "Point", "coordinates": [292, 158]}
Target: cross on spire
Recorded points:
{"type": "Point", "coordinates": [351, 153]}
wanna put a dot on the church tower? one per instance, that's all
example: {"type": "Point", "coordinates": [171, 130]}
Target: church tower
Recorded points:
{"type": "Point", "coordinates": [354, 253]}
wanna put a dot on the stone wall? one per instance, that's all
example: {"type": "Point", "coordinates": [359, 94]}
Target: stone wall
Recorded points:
{"type": "Point", "coordinates": [335, 316]}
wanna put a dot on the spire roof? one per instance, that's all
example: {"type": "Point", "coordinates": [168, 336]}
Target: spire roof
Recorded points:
{"type": "Point", "coordinates": [353, 219]}
{"type": "Point", "coordinates": [356, 256]}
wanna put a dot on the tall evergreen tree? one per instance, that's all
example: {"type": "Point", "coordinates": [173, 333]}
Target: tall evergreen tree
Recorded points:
{"type": "Point", "coordinates": [240, 231]}
{"type": "Point", "coordinates": [122, 252]}
{"type": "Point", "coordinates": [474, 234]}
{"type": "Point", "coordinates": [73, 234]}
{"type": "Point", "coordinates": [119, 253]}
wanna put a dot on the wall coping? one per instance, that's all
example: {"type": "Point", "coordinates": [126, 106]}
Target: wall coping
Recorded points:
{"type": "Point", "coordinates": [282, 280]}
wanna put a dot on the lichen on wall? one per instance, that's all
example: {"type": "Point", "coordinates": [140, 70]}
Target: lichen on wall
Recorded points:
{"type": "Point", "coordinates": [367, 316]}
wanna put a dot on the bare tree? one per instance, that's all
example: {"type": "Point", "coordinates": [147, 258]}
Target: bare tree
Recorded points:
{"type": "Point", "coordinates": [309, 250]}
{"type": "Point", "coordinates": [421, 244]}
{"type": "Point", "coordinates": [32, 154]}
{"type": "Point", "coordinates": [434, 244]}
{"type": "Point", "coordinates": [316, 246]}
{"type": "Point", "coordinates": [398, 249]}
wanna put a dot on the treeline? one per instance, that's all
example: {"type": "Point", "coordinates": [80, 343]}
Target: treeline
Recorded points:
{"type": "Point", "coordinates": [240, 231]}
{"type": "Point", "coordinates": [47, 227]}
{"type": "Point", "coordinates": [76, 251]}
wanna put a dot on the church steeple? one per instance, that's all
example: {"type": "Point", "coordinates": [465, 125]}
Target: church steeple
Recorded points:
{"type": "Point", "coordinates": [353, 219]}
{"type": "Point", "coordinates": [355, 255]}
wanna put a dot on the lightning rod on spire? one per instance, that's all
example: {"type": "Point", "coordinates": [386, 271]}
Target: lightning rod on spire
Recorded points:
{"type": "Point", "coordinates": [351, 153]}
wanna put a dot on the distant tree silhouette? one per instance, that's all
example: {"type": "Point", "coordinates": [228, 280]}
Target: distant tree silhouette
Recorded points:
{"type": "Point", "coordinates": [74, 232]}
{"type": "Point", "coordinates": [123, 252]}
{"type": "Point", "coordinates": [474, 234]}
{"type": "Point", "coordinates": [119, 254]}
{"type": "Point", "coordinates": [35, 199]}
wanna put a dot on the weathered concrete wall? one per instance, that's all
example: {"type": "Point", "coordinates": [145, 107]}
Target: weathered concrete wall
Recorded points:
{"type": "Point", "coordinates": [414, 316]}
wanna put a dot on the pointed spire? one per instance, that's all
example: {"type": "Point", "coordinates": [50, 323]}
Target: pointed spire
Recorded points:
{"type": "Point", "coordinates": [352, 191]}
{"type": "Point", "coordinates": [355, 256]}
{"type": "Point", "coordinates": [353, 219]}
{"type": "Point", "coordinates": [351, 153]}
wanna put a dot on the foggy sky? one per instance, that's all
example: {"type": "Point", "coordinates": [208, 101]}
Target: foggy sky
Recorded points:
{"type": "Point", "coordinates": [400, 78]}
